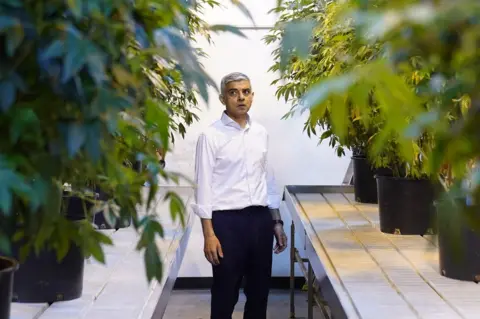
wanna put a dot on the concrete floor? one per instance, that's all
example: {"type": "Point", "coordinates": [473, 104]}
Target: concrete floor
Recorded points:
{"type": "Point", "coordinates": [195, 304]}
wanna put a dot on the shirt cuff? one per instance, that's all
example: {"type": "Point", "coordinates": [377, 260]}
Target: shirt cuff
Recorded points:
{"type": "Point", "coordinates": [273, 201]}
{"type": "Point", "coordinates": [202, 211]}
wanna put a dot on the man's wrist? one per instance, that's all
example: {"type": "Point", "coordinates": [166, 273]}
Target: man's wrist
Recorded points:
{"type": "Point", "coordinates": [275, 212]}
{"type": "Point", "coordinates": [207, 228]}
{"type": "Point", "coordinates": [277, 222]}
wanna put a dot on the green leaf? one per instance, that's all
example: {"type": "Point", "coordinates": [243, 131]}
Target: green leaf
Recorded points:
{"type": "Point", "coordinates": [10, 182]}
{"type": "Point", "coordinates": [14, 39]}
{"type": "Point", "coordinates": [5, 247]}
{"type": "Point", "coordinates": [92, 142]}
{"type": "Point", "coordinates": [102, 238]}
{"type": "Point", "coordinates": [24, 252]}
{"type": "Point", "coordinates": [23, 120]}
{"type": "Point", "coordinates": [63, 245]}
{"type": "Point", "coordinates": [53, 200]}
{"type": "Point", "coordinates": [296, 39]}
{"type": "Point", "coordinates": [153, 263]}
{"type": "Point", "coordinates": [8, 94]}
{"type": "Point", "coordinates": [326, 135]}
{"type": "Point", "coordinates": [157, 228]}
{"type": "Point", "coordinates": [177, 207]}
{"type": "Point", "coordinates": [96, 250]}
{"type": "Point", "coordinates": [152, 192]}
{"type": "Point", "coordinates": [227, 28]}
{"type": "Point", "coordinates": [109, 99]}
{"type": "Point", "coordinates": [96, 67]}
{"type": "Point", "coordinates": [157, 116]}
{"type": "Point", "coordinates": [12, 3]}
{"type": "Point", "coordinates": [75, 57]}
{"type": "Point", "coordinates": [320, 92]}
{"type": "Point", "coordinates": [54, 50]}
{"type": "Point", "coordinates": [111, 213]}
{"type": "Point", "coordinates": [75, 136]}
{"type": "Point", "coordinates": [75, 7]}
{"type": "Point", "coordinates": [423, 120]}
{"type": "Point", "coordinates": [339, 116]}
{"type": "Point", "coordinates": [7, 22]}
{"type": "Point", "coordinates": [244, 10]}
{"type": "Point", "coordinates": [38, 194]}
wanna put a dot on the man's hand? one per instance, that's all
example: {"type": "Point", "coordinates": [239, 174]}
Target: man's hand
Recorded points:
{"type": "Point", "coordinates": [281, 237]}
{"type": "Point", "coordinates": [213, 249]}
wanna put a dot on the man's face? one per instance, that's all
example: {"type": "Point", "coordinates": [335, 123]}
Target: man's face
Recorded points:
{"type": "Point", "coordinates": [237, 98]}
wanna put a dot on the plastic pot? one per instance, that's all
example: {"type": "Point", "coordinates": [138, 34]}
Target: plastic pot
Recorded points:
{"type": "Point", "coordinates": [8, 266]}
{"type": "Point", "coordinates": [405, 205]}
{"type": "Point", "coordinates": [364, 183]}
{"type": "Point", "coordinates": [42, 278]}
{"type": "Point", "coordinates": [459, 248]}
{"type": "Point", "coordinates": [99, 218]}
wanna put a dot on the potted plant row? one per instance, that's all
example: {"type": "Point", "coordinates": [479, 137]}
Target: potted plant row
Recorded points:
{"type": "Point", "coordinates": [353, 120]}
{"type": "Point", "coordinates": [330, 45]}
{"type": "Point", "coordinates": [428, 103]}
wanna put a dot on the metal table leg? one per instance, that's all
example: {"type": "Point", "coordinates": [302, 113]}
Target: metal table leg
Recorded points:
{"type": "Point", "coordinates": [292, 271]}
{"type": "Point", "coordinates": [310, 291]}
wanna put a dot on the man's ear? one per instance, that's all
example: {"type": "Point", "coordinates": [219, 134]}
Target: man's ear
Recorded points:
{"type": "Point", "coordinates": [222, 99]}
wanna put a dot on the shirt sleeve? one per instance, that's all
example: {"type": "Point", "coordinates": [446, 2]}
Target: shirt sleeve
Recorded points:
{"type": "Point", "coordinates": [204, 165]}
{"type": "Point", "coordinates": [274, 197]}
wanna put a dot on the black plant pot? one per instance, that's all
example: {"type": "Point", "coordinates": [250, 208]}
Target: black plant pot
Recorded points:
{"type": "Point", "coordinates": [42, 278]}
{"type": "Point", "coordinates": [364, 183]}
{"type": "Point", "coordinates": [459, 249]}
{"type": "Point", "coordinates": [405, 205]}
{"type": "Point", "coordinates": [99, 218]}
{"type": "Point", "coordinates": [7, 268]}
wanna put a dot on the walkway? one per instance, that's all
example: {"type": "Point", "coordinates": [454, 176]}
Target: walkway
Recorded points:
{"type": "Point", "coordinates": [191, 304]}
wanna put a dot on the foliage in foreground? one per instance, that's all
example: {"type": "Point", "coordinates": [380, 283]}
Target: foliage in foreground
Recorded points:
{"type": "Point", "coordinates": [86, 87]}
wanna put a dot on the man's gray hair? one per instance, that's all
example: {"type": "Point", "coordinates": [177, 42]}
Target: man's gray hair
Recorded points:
{"type": "Point", "coordinates": [232, 77]}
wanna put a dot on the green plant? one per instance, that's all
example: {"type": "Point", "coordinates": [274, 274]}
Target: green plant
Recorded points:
{"type": "Point", "coordinates": [77, 100]}
{"type": "Point", "coordinates": [333, 51]}
{"type": "Point", "coordinates": [334, 83]}
{"type": "Point", "coordinates": [441, 34]}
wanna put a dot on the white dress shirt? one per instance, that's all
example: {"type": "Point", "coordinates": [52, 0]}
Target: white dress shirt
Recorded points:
{"type": "Point", "coordinates": [231, 170]}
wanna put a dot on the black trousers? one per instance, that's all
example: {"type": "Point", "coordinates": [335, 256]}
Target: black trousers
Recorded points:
{"type": "Point", "coordinates": [246, 237]}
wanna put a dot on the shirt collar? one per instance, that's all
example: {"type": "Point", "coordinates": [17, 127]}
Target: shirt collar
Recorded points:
{"type": "Point", "coordinates": [228, 121]}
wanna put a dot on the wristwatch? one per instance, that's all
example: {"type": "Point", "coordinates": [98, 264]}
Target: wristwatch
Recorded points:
{"type": "Point", "coordinates": [277, 221]}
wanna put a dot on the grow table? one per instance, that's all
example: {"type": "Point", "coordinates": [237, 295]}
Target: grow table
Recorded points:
{"type": "Point", "coordinates": [119, 289]}
{"type": "Point", "coordinates": [362, 273]}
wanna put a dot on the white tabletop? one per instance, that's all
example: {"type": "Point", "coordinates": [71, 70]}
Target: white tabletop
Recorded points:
{"type": "Point", "coordinates": [377, 275]}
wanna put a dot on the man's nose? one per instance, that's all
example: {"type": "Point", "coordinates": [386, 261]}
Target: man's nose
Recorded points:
{"type": "Point", "coordinates": [241, 96]}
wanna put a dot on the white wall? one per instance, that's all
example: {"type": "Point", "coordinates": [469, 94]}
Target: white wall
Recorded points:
{"type": "Point", "coordinates": [295, 158]}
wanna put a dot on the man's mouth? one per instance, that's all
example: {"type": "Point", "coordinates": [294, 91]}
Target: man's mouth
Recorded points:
{"type": "Point", "coordinates": [242, 105]}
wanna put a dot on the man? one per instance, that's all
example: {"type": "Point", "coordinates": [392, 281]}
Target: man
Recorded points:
{"type": "Point", "coordinates": [238, 202]}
